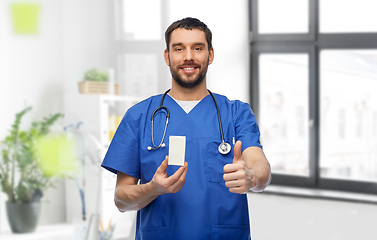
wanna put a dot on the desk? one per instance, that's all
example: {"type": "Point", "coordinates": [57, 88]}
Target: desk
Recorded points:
{"type": "Point", "coordinates": [47, 232]}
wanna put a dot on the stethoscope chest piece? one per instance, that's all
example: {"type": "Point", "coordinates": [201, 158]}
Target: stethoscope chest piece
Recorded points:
{"type": "Point", "coordinates": [224, 148]}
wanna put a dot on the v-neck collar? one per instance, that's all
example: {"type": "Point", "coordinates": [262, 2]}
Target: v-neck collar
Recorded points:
{"type": "Point", "coordinates": [176, 104]}
{"type": "Point", "coordinates": [187, 106]}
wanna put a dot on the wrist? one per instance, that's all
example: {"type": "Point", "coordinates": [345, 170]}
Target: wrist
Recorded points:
{"type": "Point", "coordinates": [252, 180]}
{"type": "Point", "coordinates": [152, 189]}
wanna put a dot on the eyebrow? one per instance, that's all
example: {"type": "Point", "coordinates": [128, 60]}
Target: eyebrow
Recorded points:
{"type": "Point", "coordinates": [195, 44]}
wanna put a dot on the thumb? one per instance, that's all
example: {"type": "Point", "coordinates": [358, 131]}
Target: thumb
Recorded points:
{"type": "Point", "coordinates": [237, 151]}
{"type": "Point", "coordinates": [164, 165]}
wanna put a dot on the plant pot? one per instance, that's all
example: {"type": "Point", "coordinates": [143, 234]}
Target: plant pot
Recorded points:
{"type": "Point", "coordinates": [90, 87]}
{"type": "Point", "coordinates": [23, 217]}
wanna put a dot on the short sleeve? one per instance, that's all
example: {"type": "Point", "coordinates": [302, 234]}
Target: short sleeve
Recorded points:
{"type": "Point", "coordinates": [123, 152]}
{"type": "Point", "coordinates": [247, 129]}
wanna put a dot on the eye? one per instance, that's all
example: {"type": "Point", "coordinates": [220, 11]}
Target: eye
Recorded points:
{"type": "Point", "coordinates": [197, 48]}
{"type": "Point", "coordinates": [178, 49]}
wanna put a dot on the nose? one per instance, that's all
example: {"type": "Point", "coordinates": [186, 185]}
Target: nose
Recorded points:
{"type": "Point", "coordinates": [189, 55]}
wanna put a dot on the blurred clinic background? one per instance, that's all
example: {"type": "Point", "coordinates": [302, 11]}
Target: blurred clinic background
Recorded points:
{"type": "Point", "coordinates": [308, 68]}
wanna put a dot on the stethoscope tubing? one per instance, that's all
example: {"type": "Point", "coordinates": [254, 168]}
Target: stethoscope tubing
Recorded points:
{"type": "Point", "coordinates": [218, 116]}
{"type": "Point", "coordinates": [162, 144]}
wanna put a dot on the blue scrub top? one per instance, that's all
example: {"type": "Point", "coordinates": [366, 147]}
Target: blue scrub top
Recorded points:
{"type": "Point", "coordinates": [204, 208]}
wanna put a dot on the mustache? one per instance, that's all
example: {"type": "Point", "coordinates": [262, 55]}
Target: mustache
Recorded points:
{"type": "Point", "coordinates": [189, 63]}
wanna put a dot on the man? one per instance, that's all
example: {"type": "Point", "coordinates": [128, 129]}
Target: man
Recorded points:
{"type": "Point", "coordinates": [204, 198]}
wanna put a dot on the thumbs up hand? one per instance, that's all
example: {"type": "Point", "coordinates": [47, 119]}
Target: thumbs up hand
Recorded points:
{"type": "Point", "coordinates": [238, 178]}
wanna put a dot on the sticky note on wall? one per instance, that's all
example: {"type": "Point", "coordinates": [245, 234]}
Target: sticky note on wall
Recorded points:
{"type": "Point", "coordinates": [57, 154]}
{"type": "Point", "coordinates": [25, 18]}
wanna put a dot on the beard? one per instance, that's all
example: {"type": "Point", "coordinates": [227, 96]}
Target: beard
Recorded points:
{"type": "Point", "coordinates": [191, 81]}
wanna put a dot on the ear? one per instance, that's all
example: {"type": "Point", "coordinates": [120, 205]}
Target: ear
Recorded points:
{"type": "Point", "coordinates": [166, 56]}
{"type": "Point", "coordinates": [211, 56]}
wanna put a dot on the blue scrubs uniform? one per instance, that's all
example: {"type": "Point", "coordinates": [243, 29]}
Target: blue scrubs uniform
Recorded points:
{"type": "Point", "coordinates": [204, 208]}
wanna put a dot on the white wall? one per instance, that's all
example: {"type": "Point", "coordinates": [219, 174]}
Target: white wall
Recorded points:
{"type": "Point", "coordinates": [36, 70]}
{"type": "Point", "coordinates": [86, 39]}
{"type": "Point", "coordinates": [31, 65]}
{"type": "Point", "coordinates": [31, 75]}
{"type": "Point", "coordinates": [295, 218]}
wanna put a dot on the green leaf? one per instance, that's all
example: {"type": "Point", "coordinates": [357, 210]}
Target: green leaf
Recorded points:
{"type": "Point", "coordinates": [19, 157]}
{"type": "Point", "coordinates": [95, 75]}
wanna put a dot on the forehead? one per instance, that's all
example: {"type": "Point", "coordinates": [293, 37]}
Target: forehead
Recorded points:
{"type": "Point", "coordinates": [184, 36]}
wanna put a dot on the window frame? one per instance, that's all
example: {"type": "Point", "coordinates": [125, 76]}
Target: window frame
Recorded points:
{"type": "Point", "coordinates": [284, 37]}
{"type": "Point", "coordinates": [312, 43]}
{"type": "Point", "coordinates": [283, 179]}
{"type": "Point", "coordinates": [120, 45]}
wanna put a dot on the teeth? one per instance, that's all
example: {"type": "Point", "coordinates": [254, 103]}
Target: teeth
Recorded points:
{"type": "Point", "coordinates": [189, 68]}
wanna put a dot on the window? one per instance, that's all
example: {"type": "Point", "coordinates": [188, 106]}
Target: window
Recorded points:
{"type": "Point", "coordinates": [374, 125]}
{"type": "Point", "coordinates": [348, 83]}
{"type": "Point", "coordinates": [133, 22]}
{"type": "Point", "coordinates": [137, 50]}
{"type": "Point", "coordinates": [138, 45]}
{"type": "Point", "coordinates": [284, 111]}
{"type": "Point", "coordinates": [282, 17]}
{"type": "Point", "coordinates": [313, 85]}
{"type": "Point", "coordinates": [347, 16]}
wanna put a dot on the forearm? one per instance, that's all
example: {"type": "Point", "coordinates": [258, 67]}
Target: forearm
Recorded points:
{"type": "Point", "coordinates": [134, 197]}
{"type": "Point", "coordinates": [258, 167]}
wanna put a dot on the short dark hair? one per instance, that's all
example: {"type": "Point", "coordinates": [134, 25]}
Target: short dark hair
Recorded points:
{"type": "Point", "coordinates": [189, 24]}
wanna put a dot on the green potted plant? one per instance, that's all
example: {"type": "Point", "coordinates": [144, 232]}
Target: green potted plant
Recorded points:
{"type": "Point", "coordinates": [95, 75]}
{"type": "Point", "coordinates": [97, 82]}
{"type": "Point", "coordinates": [21, 175]}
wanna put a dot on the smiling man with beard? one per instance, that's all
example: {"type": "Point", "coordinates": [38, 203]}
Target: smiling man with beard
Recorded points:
{"type": "Point", "coordinates": [207, 201]}
{"type": "Point", "coordinates": [188, 63]}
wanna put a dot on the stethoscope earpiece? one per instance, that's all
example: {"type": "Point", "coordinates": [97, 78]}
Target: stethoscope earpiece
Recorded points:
{"type": "Point", "coordinates": [151, 148]}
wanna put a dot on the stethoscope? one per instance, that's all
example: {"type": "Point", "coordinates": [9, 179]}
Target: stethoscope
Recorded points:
{"type": "Point", "coordinates": [224, 147]}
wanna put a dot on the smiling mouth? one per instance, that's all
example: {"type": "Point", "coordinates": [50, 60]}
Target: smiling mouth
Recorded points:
{"type": "Point", "coordinates": [189, 69]}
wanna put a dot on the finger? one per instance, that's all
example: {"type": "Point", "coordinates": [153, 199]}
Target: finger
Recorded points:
{"type": "Point", "coordinates": [183, 176]}
{"type": "Point", "coordinates": [235, 175]}
{"type": "Point", "coordinates": [237, 186]}
{"type": "Point", "coordinates": [237, 151]}
{"type": "Point", "coordinates": [240, 190]}
{"type": "Point", "coordinates": [228, 168]}
{"type": "Point", "coordinates": [230, 176]}
{"type": "Point", "coordinates": [233, 167]}
{"type": "Point", "coordinates": [176, 181]}
{"type": "Point", "coordinates": [179, 183]}
{"type": "Point", "coordinates": [175, 177]}
{"type": "Point", "coordinates": [236, 183]}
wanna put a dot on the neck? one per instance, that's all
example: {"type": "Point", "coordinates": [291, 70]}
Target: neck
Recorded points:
{"type": "Point", "coordinates": [188, 94]}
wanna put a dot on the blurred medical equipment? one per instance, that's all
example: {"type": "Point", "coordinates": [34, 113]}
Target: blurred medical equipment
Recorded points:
{"type": "Point", "coordinates": [88, 147]}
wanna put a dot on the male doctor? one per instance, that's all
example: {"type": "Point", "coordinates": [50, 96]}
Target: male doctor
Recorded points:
{"type": "Point", "coordinates": [205, 198]}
